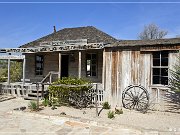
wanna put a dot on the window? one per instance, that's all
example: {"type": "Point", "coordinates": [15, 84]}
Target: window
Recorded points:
{"type": "Point", "coordinates": [91, 65]}
{"type": "Point", "coordinates": [39, 65]}
{"type": "Point", "coordinates": [160, 67]}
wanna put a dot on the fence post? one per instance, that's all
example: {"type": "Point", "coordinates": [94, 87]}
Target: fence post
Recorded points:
{"type": "Point", "coordinates": [37, 87]}
{"type": "Point", "coordinates": [42, 92]}
{"type": "Point", "coordinates": [96, 101]}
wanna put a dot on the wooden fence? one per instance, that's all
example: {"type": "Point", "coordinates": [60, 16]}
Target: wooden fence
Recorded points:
{"type": "Point", "coordinates": [20, 90]}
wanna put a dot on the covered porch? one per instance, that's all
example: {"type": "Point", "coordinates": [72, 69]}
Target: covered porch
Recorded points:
{"type": "Point", "coordinates": [47, 64]}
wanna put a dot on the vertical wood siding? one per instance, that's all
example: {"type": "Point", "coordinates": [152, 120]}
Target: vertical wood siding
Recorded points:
{"type": "Point", "coordinates": [123, 69]}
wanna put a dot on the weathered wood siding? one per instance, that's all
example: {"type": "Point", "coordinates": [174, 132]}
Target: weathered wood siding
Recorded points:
{"type": "Point", "coordinates": [123, 68]}
{"type": "Point", "coordinates": [51, 62]}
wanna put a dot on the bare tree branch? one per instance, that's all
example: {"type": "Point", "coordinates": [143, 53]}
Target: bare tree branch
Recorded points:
{"type": "Point", "coordinates": [152, 31]}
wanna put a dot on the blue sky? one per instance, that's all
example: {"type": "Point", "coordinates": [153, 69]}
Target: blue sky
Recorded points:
{"type": "Point", "coordinates": [21, 23]}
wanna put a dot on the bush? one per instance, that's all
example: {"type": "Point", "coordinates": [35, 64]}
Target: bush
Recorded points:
{"type": "Point", "coordinates": [33, 106]}
{"type": "Point", "coordinates": [45, 102]}
{"type": "Point", "coordinates": [118, 111]}
{"type": "Point", "coordinates": [175, 77]}
{"type": "Point", "coordinates": [111, 114]}
{"type": "Point", "coordinates": [62, 93]}
{"type": "Point", "coordinates": [106, 105]}
{"type": "Point", "coordinates": [15, 71]}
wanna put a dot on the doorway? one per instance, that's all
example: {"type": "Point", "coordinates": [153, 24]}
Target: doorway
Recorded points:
{"type": "Point", "coordinates": [64, 65]}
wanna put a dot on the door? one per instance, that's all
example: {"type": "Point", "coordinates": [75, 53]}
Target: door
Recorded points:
{"type": "Point", "coordinates": [64, 65]}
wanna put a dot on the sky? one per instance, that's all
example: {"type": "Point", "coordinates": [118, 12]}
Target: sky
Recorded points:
{"type": "Point", "coordinates": [24, 21]}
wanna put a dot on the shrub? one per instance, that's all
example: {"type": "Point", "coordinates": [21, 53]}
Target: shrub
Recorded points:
{"type": "Point", "coordinates": [111, 114]}
{"type": "Point", "coordinates": [33, 106]}
{"type": "Point", "coordinates": [118, 111]}
{"type": "Point", "coordinates": [106, 105]}
{"type": "Point", "coordinates": [61, 93]}
{"type": "Point", "coordinates": [45, 102]}
{"type": "Point", "coordinates": [175, 77]}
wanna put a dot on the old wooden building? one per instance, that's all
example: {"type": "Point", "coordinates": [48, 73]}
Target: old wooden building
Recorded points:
{"type": "Point", "coordinates": [87, 52]}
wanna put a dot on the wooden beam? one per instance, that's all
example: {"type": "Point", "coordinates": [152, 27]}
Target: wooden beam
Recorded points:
{"type": "Point", "coordinates": [52, 48]}
{"type": "Point", "coordinates": [24, 70]}
{"type": "Point", "coordinates": [159, 48]}
{"type": "Point", "coordinates": [103, 69]}
{"type": "Point", "coordinates": [79, 66]}
{"type": "Point", "coordinates": [12, 57]}
{"type": "Point", "coordinates": [59, 75]}
{"type": "Point", "coordinates": [9, 64]}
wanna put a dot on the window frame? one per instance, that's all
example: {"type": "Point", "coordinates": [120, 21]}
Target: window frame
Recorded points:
{"type": "Point", "coordinates": [160, 67]}
{"type": "Point", "coordinates": [91, 65]}
{"type": "Point", "coordinates": [40, 71]}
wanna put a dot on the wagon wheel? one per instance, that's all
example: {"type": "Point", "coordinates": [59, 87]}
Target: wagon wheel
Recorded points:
{"type": "Point", "coordinates": [135, 97]}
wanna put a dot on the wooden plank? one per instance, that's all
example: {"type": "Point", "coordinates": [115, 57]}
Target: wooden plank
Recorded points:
{"type": "Point", "coordinates": [160, 48]}
{"type": "Point", "coordinates": [59, 76]}
{"type": "Point", "coordinates": [55, 48]}
{"type": "Point", "coordinates": [9, 63]}
{"type": "Point", "coordinates": [114, 73]}
{"type": "Point", "coordinates": [11, 57]}
{"type": "Point", "coordinates": [103, 69]}
{"type": "Point", "coordinates": [79, 65]}
{"type": "Point", "coordinates": [24, 70]}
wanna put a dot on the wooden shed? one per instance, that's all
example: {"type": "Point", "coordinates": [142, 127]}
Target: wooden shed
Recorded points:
{"type": "Point", "coordinates": [138, 62]}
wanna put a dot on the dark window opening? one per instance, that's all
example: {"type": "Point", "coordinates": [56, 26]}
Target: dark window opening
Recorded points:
{"type": "Point", "coordinates": [91, 65]}
{"type": "Point", "coordinates": [160, 67]}
{"type": "Point", "coordinates": [39, 65]}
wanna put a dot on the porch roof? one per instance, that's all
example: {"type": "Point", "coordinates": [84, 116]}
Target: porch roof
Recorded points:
{"type": "Point", "coordinates": [155, 42]}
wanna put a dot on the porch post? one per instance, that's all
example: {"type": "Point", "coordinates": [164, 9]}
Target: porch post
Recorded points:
{"type": "Point", "coordinates": [24, 65]}
{"type": "Point", "coordinates": [103, 69]}
{"type": "Point", "coordinates": [9, 64]}
{"type": "Point", "coordinates": [59, 75]}
{"type": "Point", "coordinates": [79, 66]}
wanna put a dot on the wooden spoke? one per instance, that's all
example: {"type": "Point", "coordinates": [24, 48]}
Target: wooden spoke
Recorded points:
{"type": "Point", "coordinates": [135, 97]}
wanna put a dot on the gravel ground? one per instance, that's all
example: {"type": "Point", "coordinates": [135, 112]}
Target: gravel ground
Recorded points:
{"type": "Point", "coordinates": [165, 123]}
{"type": "Point", "coordinates": [152, 120]}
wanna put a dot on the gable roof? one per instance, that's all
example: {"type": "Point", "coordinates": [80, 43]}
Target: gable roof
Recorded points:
{"type": "Point", "coordinates": [92, 34]}
{"type": "Point", "coordinates": [131, 43]}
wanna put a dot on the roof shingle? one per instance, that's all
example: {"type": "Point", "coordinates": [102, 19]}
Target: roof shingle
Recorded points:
{"type": "Point", "coordinates": [92, 34]}
{"type": "Point", "coordinates": [126, 43]}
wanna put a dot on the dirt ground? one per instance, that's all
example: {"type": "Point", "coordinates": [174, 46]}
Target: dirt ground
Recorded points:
{"type": "Point", "coordinates": [152, 120]}
{"type": "Point", "coordinates": [136, 123]}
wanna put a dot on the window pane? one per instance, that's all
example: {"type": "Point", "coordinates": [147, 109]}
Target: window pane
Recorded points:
{"type": "Point", "coordinates": [156, 71]}
{"type": "Point", "coordinates": [93, 61]}
{"type": "Point", "coordinates": [91, 65]}
{"type": "Point", "coordinates": [156, 62]}
{"type": "Point", "coordinates": [93, 73]}
{"type": "Point", "coordinates": [88, 73]}
{"type": "Point", "coordinates": [164, 62]}
{"type": "Point", "coordinates": [156, 79]}
{"type": "Point", "coordinates": [93, 56]}
{"type": "Point", "coordinates": [164, 80]}
{"type": "Point", "coordinates": [88, 68]}
{"type": "Point", "coordinates": [156, 55]}
{"type": "Point", "coordinates": [164, 54]}
{"type": "Point", "coordinates": [39, 65]}
{"type": "Point", "coordinates": [94, 68]}
{"type": "Point", "coordinates": [164, 71]}
{"type": "Point", "coordinates": [88, 56]}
